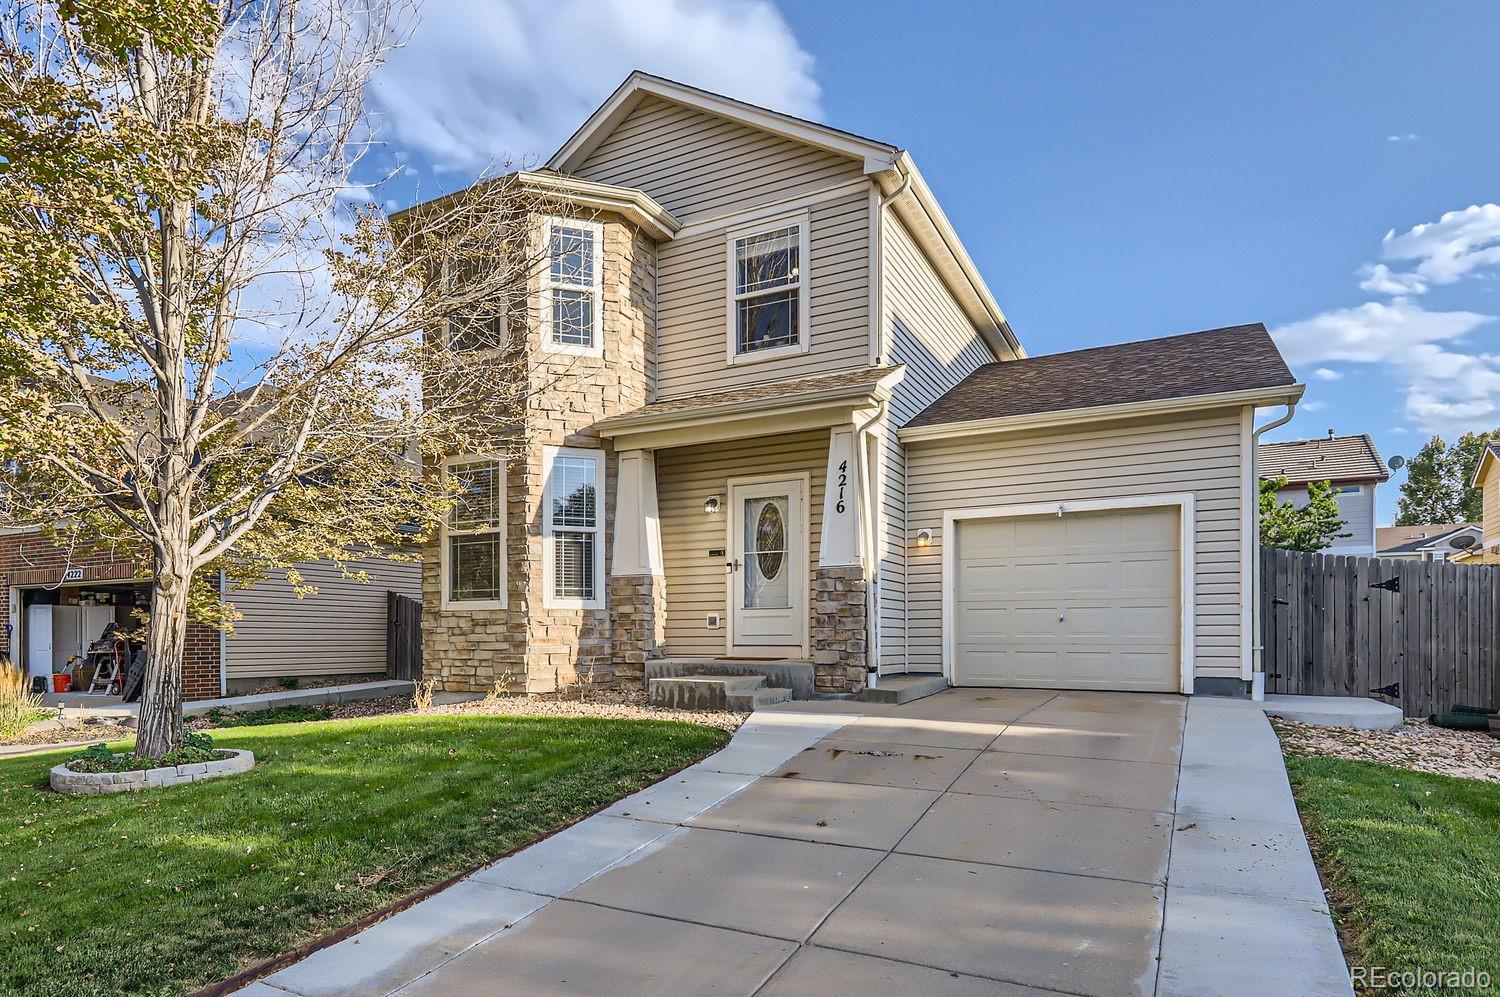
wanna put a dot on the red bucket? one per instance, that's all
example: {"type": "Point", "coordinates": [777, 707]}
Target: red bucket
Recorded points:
{"type": "Point", "coordinates": [62, 682]}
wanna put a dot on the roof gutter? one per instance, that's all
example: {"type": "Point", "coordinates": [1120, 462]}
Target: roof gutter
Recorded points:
{"type": "Point", "coordinates": [1287, 394]}
{"type": "Point", "coordinates": [1257, 646]}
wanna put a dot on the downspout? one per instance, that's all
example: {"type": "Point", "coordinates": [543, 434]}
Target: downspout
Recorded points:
{"type": "Point", "coordinates": [886, 202]}
{"type": "Point", "coordinates": [223, 643]}
{"type": "Point", "coordinates": [1257, 649]}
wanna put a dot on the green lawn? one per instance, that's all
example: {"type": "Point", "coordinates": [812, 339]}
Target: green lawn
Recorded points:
{"type": "Point", "coordinates": [1414, 863]}
{"type": "Point", "coordinates": [164, 891]}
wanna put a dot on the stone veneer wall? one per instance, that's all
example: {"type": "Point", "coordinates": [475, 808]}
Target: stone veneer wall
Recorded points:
{"type": "Point", "coordinates": [527, 645]}
{"type": "Point", "coordinates": [638, 610]}
{"type": "Point", "coordinates": [839, 632]}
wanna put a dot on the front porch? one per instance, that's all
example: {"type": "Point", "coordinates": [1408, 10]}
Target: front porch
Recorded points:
{"type": "Point", "coordinates": [744, 539]}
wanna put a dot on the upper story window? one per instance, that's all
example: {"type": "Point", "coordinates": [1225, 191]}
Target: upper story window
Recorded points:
{"type": "Point", "coordinates": [474, 535]}
{"type": "Point", "coordinates": [573, 286]}
{"type": "Point", "coordinates": [574, 514]}
{"type": "Point", "coordinates": [768, 290]}
{"type": "Point", "coordinates": [480, 326]}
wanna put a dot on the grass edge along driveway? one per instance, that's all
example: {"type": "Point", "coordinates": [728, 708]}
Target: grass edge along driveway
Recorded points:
{"type": "Point", "coordinates": [1413, 861]}
{"type": "Point", "coordinates": [164, 891]}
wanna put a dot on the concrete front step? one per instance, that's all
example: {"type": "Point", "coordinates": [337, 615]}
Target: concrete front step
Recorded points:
{"type": "Point", "coordinates": [898, 689]}
{"type": "Point", "coordinates": [710, 692]}
{"type": "Point", "coordinates": [779, 673]}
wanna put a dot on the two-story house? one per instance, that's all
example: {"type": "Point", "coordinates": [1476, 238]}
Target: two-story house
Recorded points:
{"type": "Point", "coordinates": [786, 427]}
{"type": "Point", "coordinates": [1350, 463]}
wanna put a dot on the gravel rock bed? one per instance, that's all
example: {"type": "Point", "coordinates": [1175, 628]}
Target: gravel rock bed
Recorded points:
{"type": "Point", "coordinates": [612, 704]}
{"type": "Point", "coordinates": [1416, 745]}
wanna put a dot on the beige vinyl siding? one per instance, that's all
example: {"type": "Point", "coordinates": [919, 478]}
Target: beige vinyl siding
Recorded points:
{"type": "Point", "coordinates": [1357, 509]}
{"type": "Point", "coordinates": [928, 333]}
{"type": "Point", "coordinates": [1197, 453]}
{"type": "Point", "coordinates": [685, 477]}
{"type": "Point", "coordinates": [693, 311]}
{"type": "Point", "coordinates": [1490, 495]}
{"type": "Point", "coordinates": [338, 631]}
{"type": "Point", "coordinates": [696, 164]}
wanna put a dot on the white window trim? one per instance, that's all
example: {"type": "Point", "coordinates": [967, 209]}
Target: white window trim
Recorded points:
{"type": "Point", "coordinates": [445, 557]}
{"type": "Point", "coordinates": [547, 287]}
{"type": "Point", "coordinates": [549, 459]}
{"type": "Point", "coordinates": [803, 222]}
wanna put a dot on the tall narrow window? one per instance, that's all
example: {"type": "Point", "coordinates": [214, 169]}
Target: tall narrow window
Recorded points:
{"type": "Point", "coordinates": [574, 560]}
{"type": "Point", "coordinates": [768, 281]}
{"type": "Point", "coordinates": [572, 286]}
{"type": "Point", "coordinates": [474, 536]}
{"type": "Point", "coordinates": [478, 325]}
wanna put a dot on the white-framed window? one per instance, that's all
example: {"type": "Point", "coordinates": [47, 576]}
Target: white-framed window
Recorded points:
{"type": "Point", "coordinates": [573, 287]}
{"type": "Point", "coordinates": [482, 325]}
{"type": "Point", "coordinates": [768, 290]}
{"type": "Point", "coordinates": [473, 552]}
{"type": "Point", "coordinates": [574, 528]}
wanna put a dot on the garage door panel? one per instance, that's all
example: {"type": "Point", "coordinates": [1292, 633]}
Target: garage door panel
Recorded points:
{"type": "Point", "coordinates": [1089, 600]}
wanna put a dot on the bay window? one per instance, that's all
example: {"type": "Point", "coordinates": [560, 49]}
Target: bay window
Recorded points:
{"type": "Point", "coordinates": [574, 556]}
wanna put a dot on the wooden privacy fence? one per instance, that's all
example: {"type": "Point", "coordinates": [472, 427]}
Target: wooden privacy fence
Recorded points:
{"type": "Point", "coordinates": [1424, 631]}
{"type": "Point", "coordinates": [403, 637]}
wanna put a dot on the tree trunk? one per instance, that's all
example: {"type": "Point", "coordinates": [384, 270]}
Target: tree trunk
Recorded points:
{"type": "Point", "coordinates": [160, 728]}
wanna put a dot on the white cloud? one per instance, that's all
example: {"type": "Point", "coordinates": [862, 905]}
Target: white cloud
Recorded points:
{"type": "Point", "coordinates": [1408, 137]}
{"type": "Point", "coordinates": [1443, 252]}
{"type": "Point", "coordinates": [488, 81]}
{"type": "Point", "coordinates": [1445, 389]}
{"type": "Point", "coordinates": [1327, 374]}
{"type": "Point", "coordinates": [1312, 406]}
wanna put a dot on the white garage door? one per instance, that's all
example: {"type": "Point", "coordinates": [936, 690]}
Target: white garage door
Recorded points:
{"type": "Point", "coordinates": [1088, 600]}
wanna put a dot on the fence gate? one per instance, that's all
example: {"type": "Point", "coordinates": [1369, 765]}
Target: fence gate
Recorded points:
{"type": "Point", "coordinates": [403, 637]}
{"type": "Point", "coordinates": [1422, 632]}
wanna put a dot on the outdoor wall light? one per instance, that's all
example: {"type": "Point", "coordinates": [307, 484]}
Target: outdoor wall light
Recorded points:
{"type": "Point", "coordinates": [712, 505]}
{"type": "Point", "coordinates": [924, 538]}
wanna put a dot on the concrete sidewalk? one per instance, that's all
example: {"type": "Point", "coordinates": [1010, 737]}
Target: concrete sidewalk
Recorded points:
{"type": "Point", "coordinates": [976, 841]}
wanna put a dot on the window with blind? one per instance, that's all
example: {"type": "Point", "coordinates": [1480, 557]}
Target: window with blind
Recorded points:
{"type": "Point", "coordinates": [474, 534]}
{"type": "Point", "coordinates": [572, 287]}
{"type": "Point", "coordinates": [768, 291]}
{"type": "Point", "coordinates": [575, 559]}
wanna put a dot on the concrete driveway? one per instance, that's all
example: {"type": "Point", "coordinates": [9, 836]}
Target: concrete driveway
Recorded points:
{"type": "Point", "coordinates": [1003, 841]}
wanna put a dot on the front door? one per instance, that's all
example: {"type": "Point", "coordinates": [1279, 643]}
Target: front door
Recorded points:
{"type": "Point", "coordinates": [768, 567]}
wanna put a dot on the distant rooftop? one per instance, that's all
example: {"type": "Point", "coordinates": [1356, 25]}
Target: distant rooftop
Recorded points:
{"type": "Point", "coordinates": [1327, 458]}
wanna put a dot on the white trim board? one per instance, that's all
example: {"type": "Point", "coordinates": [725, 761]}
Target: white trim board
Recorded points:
{"type": "Point", "coordinates": [1183, 501]}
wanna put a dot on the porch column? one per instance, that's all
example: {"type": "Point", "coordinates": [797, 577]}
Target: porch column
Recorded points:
{"type": "Point", "coordinates": [637, 588]}
{"type": "Point", "coordinates": [839, 600]}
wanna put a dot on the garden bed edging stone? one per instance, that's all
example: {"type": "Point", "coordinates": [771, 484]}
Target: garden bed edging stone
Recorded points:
{"type": "Point", "coordinates": [65, 780]}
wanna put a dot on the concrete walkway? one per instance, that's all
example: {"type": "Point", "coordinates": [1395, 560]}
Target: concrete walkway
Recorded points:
{"type": "Point", "coordinates": [976, 841]}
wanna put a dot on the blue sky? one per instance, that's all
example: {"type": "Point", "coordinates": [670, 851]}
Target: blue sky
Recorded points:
{"type": "Point", "coordinates": [1119, 171]}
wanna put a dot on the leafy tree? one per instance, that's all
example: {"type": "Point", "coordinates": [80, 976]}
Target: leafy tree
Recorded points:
{"type": "Point", "coordinates": [211, 353]}
{"type": "Point", "coordinates": [1313, 527]}
{"type": "Point", "coordinates": [1436, 489]}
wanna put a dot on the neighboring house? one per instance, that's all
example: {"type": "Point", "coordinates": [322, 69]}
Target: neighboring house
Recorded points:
{"type": "Point", "coordinates": [1487, 479]}
{"type": "Point", "coordinates": [1350, 463]}
{"type": "Point", "coordinates": [56, 602]}
{"type": "Point", "coordinates": [782, 417]}
{"type": "Point", "coordinates": [1426, 543]}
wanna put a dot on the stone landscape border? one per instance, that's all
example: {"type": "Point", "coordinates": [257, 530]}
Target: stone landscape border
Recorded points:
{"type": "Point", "coordinates": [65, 780]}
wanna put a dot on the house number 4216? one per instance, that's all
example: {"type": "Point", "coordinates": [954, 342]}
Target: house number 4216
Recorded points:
{"type": "Point", "coordinates": [843, 482]}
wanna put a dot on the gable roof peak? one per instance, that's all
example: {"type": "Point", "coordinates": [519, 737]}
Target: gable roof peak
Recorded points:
{"type": "Point", "coordinates": [875, 156]}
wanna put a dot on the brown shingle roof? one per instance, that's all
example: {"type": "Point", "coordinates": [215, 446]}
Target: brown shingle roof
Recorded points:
{"type": "Point", "coordinates": [856, 378]}
{"type": "Point", "coordinates": [1327, 458]}
{"type": "Point", "coordinates": [1235, 358]}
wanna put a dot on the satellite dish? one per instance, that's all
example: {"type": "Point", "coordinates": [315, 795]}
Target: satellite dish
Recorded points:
{"type": "Point", "coordinates": [1462, 542]}
{"type": "Point", "coordinates": [1397, 462]}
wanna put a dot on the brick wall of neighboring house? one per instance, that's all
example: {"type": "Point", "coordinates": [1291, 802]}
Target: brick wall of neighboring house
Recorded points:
{"type": "Point", "coordinates": [526, 644]}
{"type": "Point", "coordinates": [29, 559]}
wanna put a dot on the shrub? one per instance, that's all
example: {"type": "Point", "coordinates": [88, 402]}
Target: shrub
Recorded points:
{"type": "Point", "coordinates": [19, 709]}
